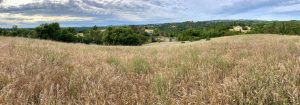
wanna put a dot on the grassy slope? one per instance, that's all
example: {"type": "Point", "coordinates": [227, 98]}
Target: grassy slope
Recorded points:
{"type": "Point", "coordinates": [250, 69]}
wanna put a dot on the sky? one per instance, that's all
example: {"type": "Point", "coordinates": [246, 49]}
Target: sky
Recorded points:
{"type": "Point", "coordinates": [79, 13]}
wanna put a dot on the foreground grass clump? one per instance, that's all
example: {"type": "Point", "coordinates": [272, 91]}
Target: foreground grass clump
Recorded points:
{"type": "Point", "coordinates": [140, 65]}
{"type": "Point", "coordinates": [160, 85]}
{"type": "Point", "coordinates": [247, 69]}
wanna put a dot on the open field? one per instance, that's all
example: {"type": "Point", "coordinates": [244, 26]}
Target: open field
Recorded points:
{"type": "Point", "coordinates": [245, 69]}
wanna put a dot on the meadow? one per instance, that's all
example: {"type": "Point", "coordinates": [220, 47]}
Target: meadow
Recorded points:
{"type": "Point", "coordinates": [244, 69]}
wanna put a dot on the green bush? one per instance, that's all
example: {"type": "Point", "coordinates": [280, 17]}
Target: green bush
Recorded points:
{"type": "Point", "coordinates": [123, 36]}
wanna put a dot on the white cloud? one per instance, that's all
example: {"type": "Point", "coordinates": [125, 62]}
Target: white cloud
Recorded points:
{"type": "Point", "coordinates": [17, 3]}
{"type": "Point", "coordinates": [19, 18]}
{"type": "Point", "coordinates": [121, 10]}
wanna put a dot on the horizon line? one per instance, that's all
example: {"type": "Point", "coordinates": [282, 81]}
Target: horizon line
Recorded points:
{"type": "Point", "coordinates": [143, 24]}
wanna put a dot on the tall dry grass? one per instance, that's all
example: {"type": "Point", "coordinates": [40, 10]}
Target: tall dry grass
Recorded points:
{"type": "Point", "coordinates": [248, 69]}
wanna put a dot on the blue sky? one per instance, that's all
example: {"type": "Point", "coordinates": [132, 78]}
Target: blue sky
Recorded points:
{"type": "Point", "coordinates": [30, 13]}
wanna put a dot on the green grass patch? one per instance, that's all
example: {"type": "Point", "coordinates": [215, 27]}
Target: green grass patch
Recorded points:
{"type": "Point", "coordinates": [160, 85]}
{"type": "Point", "coordinates": [113, 61]}
{"type": "Point", "coordinates": [4, 81]}
{"type": "Point", "coordinates": [140, 66]}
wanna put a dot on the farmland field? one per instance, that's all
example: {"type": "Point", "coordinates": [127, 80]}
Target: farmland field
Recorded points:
{"type": "Point", "coordinates": [243, 69]}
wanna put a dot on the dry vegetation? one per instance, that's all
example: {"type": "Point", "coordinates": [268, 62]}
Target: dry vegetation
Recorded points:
{"type": "Point", "coordinates": [249, 69]}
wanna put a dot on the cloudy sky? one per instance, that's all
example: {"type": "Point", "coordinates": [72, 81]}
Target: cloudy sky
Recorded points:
{"type": "Point", "coordinates": [30, 13]}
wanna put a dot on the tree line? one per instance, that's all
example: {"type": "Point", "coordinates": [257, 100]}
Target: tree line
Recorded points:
{"type": "Point", "coordinates": [136, 35]}
{"type": "Point", "coordinates": [277, 27]}
{"type": "Point", "coordinates": [110, 36]}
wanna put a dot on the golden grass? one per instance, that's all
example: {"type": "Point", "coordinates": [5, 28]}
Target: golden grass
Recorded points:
{"type": "Point", "coordinates": [247, 69]}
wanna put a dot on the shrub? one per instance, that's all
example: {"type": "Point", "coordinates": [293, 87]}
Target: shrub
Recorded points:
{"type": "Point", "coordinates": [183, 37]}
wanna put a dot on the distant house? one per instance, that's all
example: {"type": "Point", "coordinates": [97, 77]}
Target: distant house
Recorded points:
{"type": "Point", "coordinates": [148, 31]}
{"type": "Point", "coordinates": [248, 27]}
{"type": "Point", "coordinates": [80, 34]}
{"type": "Point", "coordinates": [173, 26]}
{"type": "Point", "coordinates": [102, 30]}
{"type": "Point", "coordinates": [238, 28]}
{"type": "Point", "coordinates": [241, 29]}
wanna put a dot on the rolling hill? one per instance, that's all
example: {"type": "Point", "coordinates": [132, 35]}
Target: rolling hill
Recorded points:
{"type": "Point", "coordinates": [243, 69]}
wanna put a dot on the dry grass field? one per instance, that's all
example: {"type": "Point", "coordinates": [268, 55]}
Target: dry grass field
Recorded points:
{"type": "Point", "coordinates": [245, 69]}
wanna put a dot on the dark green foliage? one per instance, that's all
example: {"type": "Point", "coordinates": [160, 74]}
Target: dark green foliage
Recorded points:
{"type": "Point", "coordinates": [54, 32]}
{"type": "Point", "coordinates": [183, 37]}
{"type": "Point", "coordinates": [115, 36]}
{"type": "Point", "coordinates": [110, 36]}
{"type": "Point", "coordinates": [278, 27]}
{"type": "Point", "coordinates": [67, 35]}
{"type": "Point", "coordinates": [192, 34]}
{"type": "Point", "coordinates": [15, 31]}
{"type": "Point", "coordinates": [93, 36]}
{"type": "Point", "coordinates": [48, 31]}
{"type": "Point", "coordinates": [123, 36]}
{"type": "Point", "coordinates": [3, 32]}
{"type": "Point", "coordinates": [24, 33]}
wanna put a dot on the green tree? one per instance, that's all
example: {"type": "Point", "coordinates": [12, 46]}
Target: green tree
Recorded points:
{"type": "Point", "coordinates": [67, 35]}
{"type": "Point", "coordinates": [49, 31]}
{"type": "Point", "coordinates": [123, 36]}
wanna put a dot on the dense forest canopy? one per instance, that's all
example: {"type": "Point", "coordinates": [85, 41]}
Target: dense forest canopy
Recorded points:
{"type": "Point", "coordinates": [137, 34]}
